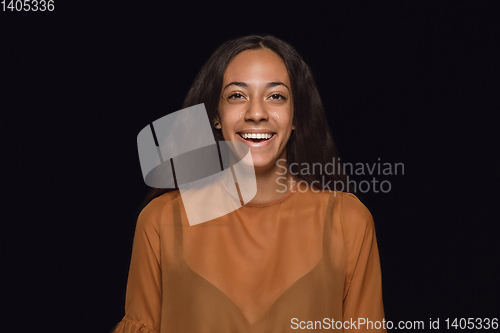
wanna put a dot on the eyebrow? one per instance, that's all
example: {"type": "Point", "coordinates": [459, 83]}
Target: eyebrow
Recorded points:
{"type": "Point", "coordinates": [245, 85]}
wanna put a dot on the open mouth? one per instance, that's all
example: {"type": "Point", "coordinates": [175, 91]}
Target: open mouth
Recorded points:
{"type": "Point", "coordinates": [254, 137]}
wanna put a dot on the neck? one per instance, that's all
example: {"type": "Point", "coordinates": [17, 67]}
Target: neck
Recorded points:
{"type": "Point", "coordinates": [272, 182]}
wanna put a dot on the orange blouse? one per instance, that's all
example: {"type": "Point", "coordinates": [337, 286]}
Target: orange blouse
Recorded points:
{"type": "Point", "coordinates": [307, 260]}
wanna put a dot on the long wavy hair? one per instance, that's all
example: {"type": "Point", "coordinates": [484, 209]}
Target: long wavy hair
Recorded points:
{"type": "Point", "coordinates": [311, 141]}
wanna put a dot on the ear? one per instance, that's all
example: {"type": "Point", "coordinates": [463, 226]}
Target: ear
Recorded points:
{"type": "Point", "coordinates": [293, 127]}
{"type": "Point", "coordinates": [217, 123]}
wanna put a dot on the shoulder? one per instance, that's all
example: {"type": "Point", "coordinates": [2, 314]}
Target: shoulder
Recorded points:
{"type": "Point", "coordinates": [355, 217]}
{"type": "Point", "coordinates": [345, 206]}
{"type": "Point", "coordinates": [152, 213]}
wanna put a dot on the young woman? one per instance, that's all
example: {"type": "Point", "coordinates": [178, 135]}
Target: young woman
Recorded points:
{"type": "Point", "coordinates": [299, 255]}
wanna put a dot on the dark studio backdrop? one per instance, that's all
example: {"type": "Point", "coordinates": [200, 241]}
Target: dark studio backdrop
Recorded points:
{"type": "Point", "coordinates": [403, 82]}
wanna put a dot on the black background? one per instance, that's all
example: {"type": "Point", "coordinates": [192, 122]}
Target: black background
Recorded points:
{"type": "Point", "coordinates": [402, 81]}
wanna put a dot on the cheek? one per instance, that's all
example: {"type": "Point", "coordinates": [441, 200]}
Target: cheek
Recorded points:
{"type": "Point", "coordinates": [224, 129]}
{"type": "Point", "coordinates": [227, 128]}
{"type": "Point", "coordinates": [287, 121]}
{"type": "Point", "coordinates": [283, 116]}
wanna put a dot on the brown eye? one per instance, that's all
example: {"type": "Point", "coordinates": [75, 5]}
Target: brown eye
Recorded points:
{"type": "Point", "coordinates": [277, 97]}
{"type": "Point", "coordinates": [235, 96]}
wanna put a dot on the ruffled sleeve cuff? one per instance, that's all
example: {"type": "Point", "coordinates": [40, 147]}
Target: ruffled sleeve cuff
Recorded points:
{"type": "Point", "coordinates": [128, 326]}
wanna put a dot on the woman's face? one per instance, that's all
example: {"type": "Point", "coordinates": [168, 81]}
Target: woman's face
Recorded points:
{"type": "Point", "coordinates": [256, 100]}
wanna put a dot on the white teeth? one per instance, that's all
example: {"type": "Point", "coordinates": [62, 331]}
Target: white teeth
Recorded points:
{"type": "Point", "coordinates": [256, 136]}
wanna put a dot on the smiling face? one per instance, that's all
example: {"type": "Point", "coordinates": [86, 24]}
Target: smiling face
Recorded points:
{"type": "Point", "coordinates": [256, 106]}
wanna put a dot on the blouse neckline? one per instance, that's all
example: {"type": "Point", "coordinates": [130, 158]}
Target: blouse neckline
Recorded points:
{"type": "Point", "coordinates": [290, 191]}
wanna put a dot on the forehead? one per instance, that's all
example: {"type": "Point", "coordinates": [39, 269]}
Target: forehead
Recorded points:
{"type": "Point", "coordinates": [257, 66]}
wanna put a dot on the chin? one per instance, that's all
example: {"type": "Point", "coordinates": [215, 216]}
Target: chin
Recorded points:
{"type": "Point", "coordinates": [263, 164]}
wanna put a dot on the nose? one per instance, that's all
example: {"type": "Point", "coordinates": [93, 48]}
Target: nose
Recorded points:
{"type": "Point", "coordinates": [256, 112]}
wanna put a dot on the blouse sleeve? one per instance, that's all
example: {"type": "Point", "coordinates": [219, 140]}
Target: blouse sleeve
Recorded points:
{"type": "Point", "coordinates": [143, 295]}
{"type": "Point", "coordinates": [363, 290]}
